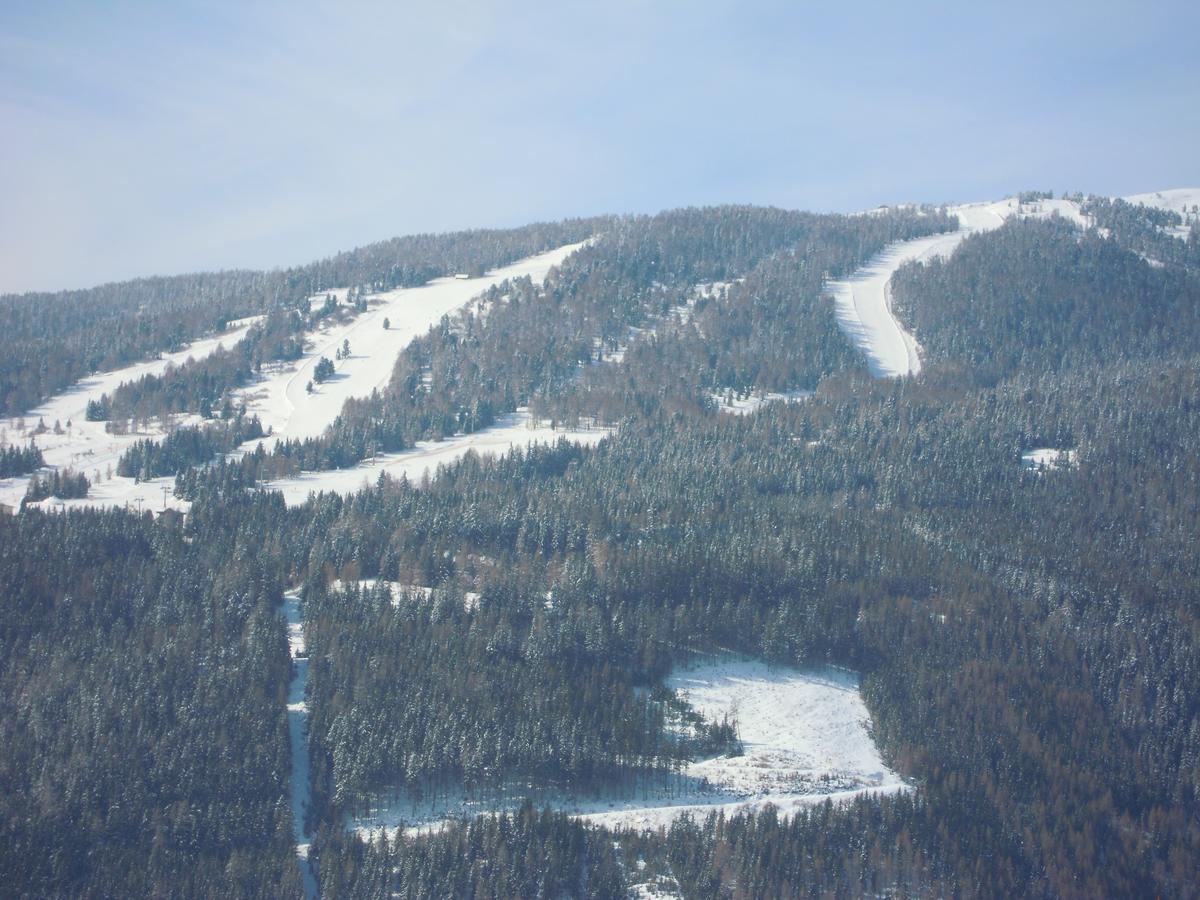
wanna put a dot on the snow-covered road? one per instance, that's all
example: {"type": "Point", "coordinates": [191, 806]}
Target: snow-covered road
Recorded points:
{"type": "Point", "coordinates": [297, 712]}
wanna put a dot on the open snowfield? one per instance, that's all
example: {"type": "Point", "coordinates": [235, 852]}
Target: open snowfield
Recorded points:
{"type": "Point", "coordinates": [86, 447]}
{"type": "Point", "coordinates": [804, 733]}
{"type": "Point", "coordinates": [512, 430]}
{"type": "Point", "coordinates": [1179, 200]}
{"type": "Point", "coordinates": [281, 399]}
{"type": "Point", "coordinates": [805, 737]}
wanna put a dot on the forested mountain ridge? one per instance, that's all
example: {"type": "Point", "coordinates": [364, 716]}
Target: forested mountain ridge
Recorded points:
{"type": "Point", "coordinates": [54, 338]}
{"type": "Point", "coordinates": [1045, 298]}
{"type": "Point", "coordinates": [1027, 636]}
{"type": "Point", "coordinates": [527, 341]}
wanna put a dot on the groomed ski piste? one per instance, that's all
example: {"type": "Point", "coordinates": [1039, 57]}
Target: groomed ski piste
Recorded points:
{"type": "Point", "coordinates": [281, 399]}
{"type": "Point", "coordinates": [282, 402]}
{"type": "Point", "coordinates": [88, 448]}
{"type": "Point", "coordinates": [805, 736]}
{"type": "Point", "coordinates": [863, 302]}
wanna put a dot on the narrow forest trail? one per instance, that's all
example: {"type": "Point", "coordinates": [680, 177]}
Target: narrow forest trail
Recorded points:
{"type": "Point", "coordinates": [297, 710]}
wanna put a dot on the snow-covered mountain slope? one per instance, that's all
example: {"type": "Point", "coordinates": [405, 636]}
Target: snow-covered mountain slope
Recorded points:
{"type": "Point", "coordinates": [864, 304]}
{"type": "Point", "coordinates": [86, 446]}
{"type": "Point", "coordinates": [1185, 201]}
{"type": "Point", "coordinates": [281, 399]}
{"type": "Point", "coordinates": [1180, 200]}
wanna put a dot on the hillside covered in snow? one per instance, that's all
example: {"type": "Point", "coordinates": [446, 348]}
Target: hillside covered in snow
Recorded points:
{"type": "Point", "coordinates": [627, 552]}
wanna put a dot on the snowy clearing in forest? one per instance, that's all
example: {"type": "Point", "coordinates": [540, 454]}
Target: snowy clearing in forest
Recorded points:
{"type": "Point", "coordinates": [1049, 458]}
{"type": "Point", "coordinates": [805, 736]}
{"type": "Point", "coordinates": [729, 402]}
{"type": "Point", "coordinates": [88, 448]}
{"type": "Point", "coordinates": [407, 593]}
{"type": "Point", "coordinates": [281, 398]}
{"type": "Point", "coordinates": [512, 430]}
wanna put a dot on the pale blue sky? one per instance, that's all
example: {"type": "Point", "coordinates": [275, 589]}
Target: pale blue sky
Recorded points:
{"type": "Point", "coordinates": [168, 137]}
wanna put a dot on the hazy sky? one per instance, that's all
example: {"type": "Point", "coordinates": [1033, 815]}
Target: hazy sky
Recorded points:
{"type": "Point", "coordinates": [166, 137]}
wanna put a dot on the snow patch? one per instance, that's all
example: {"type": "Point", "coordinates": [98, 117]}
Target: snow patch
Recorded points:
{"type": "Point", "coordinates": [1043, 459]}
{"type": "Point", "coordinates": [400, 593]}
{"type": "Point", "coordinates": [728, 402]}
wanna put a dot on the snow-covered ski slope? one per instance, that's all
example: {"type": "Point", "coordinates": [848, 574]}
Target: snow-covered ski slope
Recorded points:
{"type": "Point", "coordinates": [281, 399]}
{"type": "Point", "coordinates": [863, 302]}
{"type": "Point", "coordinates": [86, 446]}
{"type": "Point", "coordinates": [511, 431]}
{"type": "Point", "coordinates": [804, 733]}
